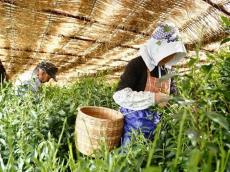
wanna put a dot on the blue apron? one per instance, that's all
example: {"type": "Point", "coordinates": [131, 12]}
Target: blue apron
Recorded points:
{"type": "Point", "coordinates": [144, 121]}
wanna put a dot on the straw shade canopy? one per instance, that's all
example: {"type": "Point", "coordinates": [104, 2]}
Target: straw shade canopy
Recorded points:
{"type": "Point", "coordinates": [87, 37]}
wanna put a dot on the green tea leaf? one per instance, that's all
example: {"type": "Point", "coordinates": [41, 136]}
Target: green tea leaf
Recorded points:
{"type": "Point", "coordinates": [167, 76]}
{"type": "Point", "coordinates": [225, 20]}
{"type": "Point", "coordinates": [192, 61]}
{"type": "Point", "coordinates": [225, 40]}
{"type": "Point", "coordinates": [206, 68]}
{"type": "Point", "coordinates": [218, 118]}
{"type": "Point", "coordinates": [152, 169]}
{"type": "Point", "coordinates": [62, 112]}
{"type": "Point", "coordinates": [181, 100]}
{"type": "Point", "coordinates": [194, 160]}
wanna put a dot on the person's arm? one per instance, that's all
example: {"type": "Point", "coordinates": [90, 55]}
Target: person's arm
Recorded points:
{"type": "Point", "coordinates": [134, 100]}
{"type": "Point", "coordinates": [138, 100]}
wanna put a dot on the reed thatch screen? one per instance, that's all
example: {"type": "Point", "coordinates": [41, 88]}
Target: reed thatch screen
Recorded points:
{"type": "Point", "coordinates": [84, 37]}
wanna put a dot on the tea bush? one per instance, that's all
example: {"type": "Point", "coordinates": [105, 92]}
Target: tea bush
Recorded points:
{"type": "Point", "coordinates": [36, 131]}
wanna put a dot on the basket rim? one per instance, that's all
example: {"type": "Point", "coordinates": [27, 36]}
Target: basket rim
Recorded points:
{"type": "Point", "coordinates": [121, 117]}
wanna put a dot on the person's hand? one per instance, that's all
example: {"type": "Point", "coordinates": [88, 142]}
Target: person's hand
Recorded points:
{"type": "Point", "coordinates": [161, 98]}
{"type": "Point", "coordinates": [163, 104]}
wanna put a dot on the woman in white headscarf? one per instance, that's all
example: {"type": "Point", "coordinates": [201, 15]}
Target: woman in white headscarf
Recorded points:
{"type": "Point", "coordinates": [140, 87]}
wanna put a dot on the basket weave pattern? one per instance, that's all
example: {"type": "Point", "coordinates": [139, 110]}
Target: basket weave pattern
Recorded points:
{"type": "Point", "coordinates": [95, 125]}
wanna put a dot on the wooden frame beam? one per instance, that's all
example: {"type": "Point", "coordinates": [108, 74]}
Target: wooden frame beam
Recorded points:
{"type": "Point", "coordinates": [218, 7]}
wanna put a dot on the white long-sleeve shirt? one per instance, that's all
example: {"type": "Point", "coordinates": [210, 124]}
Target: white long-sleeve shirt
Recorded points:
{"type": "Point", "coordinates": [134, 100]}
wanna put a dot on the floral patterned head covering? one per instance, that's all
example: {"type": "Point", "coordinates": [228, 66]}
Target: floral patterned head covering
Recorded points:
{"type": "Point", "coordinates": [165, 41]}
{"type": "Point", "coordinates": [166, 31]}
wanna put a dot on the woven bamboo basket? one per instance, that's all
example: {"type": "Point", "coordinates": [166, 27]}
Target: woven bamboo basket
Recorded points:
{"type": "Point", "coordinates": [95, 125]}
